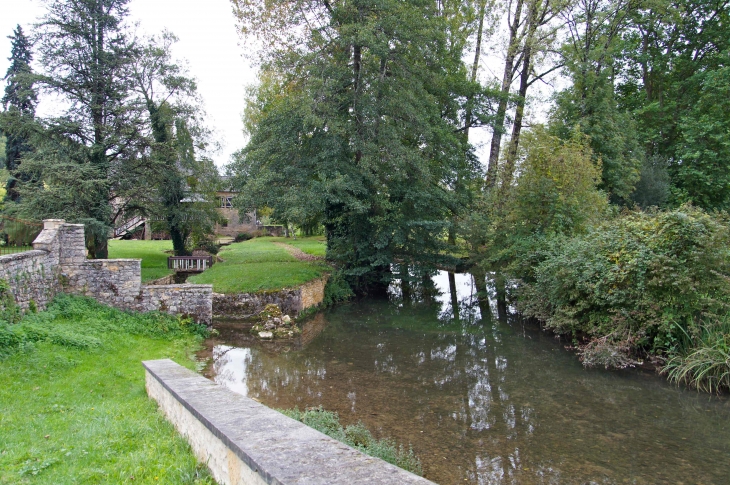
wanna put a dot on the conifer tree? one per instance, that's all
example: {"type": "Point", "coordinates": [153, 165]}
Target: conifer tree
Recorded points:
{"type": "Point", "coordinates": [19, 103]}
{"type": "Point", "coordinates": [90, 168]}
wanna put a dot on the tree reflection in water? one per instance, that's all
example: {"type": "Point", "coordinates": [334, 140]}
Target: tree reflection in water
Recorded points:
{"type": "Point", "coordinates": [482, 399]}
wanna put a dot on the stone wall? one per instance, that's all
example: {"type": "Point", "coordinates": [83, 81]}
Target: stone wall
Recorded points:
{"type": "Point", "coordinates": [244, 442]}
{"type": "Point", "coordinates": [31, 275]}
{"type": "Point", "coordinates": [194, 301]}
{"type": "Point", "coordinates": [291, 301]}
{"type": "Point", "coordinates": [31, 278]}
{"type": "Point", "coordinates": [59, 263]}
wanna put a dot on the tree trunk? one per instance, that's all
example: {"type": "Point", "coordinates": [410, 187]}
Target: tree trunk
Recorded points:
{"type": "Point", "coordinates": [504, 95]}
{"type": "Point", "coordinates": [454, 297]}
{"type": "Point", "coordinates": [511, 158]}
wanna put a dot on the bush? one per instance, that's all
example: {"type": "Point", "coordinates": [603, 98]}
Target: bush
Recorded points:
{"type": "Point", "coordinates": [242, 236]}
{"type": "Point", "coordinates": [208, 246]}
{"type": "Point", "coordinates": [642, 282]}
{"type": "Point", "coordinates": [357, 436]}
{"type": "Point", "coordinates": [336, 290]}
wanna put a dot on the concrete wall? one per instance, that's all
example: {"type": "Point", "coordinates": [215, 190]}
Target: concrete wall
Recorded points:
{"type": "Point", "coordinates": [58, 264]}
{"type": "Point", "coordinates": [244, 442]}
{"type": "Point", "coordinates": [291, 301]}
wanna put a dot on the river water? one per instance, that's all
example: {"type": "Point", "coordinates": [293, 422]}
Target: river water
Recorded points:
{"type": "Point", "coordinates": [481, 400]}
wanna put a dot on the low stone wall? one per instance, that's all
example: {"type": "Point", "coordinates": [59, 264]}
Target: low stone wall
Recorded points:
{"type": "Point", "coordinates": [244, 442]}
{"type": "Point", "coordinates": [114, 282]}
{"type": "Point", "coordinates": [58, 263]}
{"type": "Point", "coordinates": [165, 280]}
{"type": "Point", "coordinates": [194, 301]}
{"type": "Point", "coordinates": [31, 277]}
{"type": "Point", "coordinates": [290, 300]}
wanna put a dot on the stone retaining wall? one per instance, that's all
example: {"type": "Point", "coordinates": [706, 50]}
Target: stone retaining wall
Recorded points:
{"type": "Point", "coordinates": [244, 442]}
{"type": "Point", "coordinates": [58, 263]}
{"type": "Point", "coordinates": [291, 301]}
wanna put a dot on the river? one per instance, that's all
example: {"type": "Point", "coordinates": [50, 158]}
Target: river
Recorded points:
{"type": "Point", "coordinates": [481, 400]}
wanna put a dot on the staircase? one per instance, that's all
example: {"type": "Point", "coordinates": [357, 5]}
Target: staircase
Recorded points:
{"type": "Point", "coordinates": [128, 226]}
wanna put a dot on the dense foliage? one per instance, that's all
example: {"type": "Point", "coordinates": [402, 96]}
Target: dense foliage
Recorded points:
{"type": "Point", "coordinates": [19, 104]}
{"type": "Point", "coordinates": [357, 126]}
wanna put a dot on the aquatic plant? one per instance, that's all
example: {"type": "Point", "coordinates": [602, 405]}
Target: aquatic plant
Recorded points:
{"type": "Point", "coordinates": [357, 436]}
{"type": "Point", "coordinates": [706, 365]}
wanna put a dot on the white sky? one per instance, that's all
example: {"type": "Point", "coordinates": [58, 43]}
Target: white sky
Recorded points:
{"type": "Point", "coordinates": [208, 40]}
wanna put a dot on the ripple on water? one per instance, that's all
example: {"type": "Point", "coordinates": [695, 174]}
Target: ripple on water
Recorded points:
{"type": "Point", "coordinates": [481, 400]}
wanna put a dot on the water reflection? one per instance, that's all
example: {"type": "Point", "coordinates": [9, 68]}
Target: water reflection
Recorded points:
{"type": "Point", "coordinates": [482, 400]}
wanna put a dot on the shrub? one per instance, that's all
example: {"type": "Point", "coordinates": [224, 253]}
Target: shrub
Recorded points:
{"type": "Point", "coordinates": [336, 290]}
{"type": "Point", "coordinates": [208, 245]}
{"type": "Point", "coordinates": [242, 236]}
{"type": "Point", "coordinates": [641, 282]}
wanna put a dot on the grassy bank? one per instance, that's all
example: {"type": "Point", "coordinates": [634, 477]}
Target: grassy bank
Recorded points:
{"type": "Point", "coordinates": [316, 245]}
{"type": "Point", "coordinates": [258, 264]}
{"type": "Point", "coordinates": [152, 254]}
{"type": "Point", "coordinates": [73, 408]}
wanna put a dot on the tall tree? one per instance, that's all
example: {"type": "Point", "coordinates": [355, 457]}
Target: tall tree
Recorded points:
{"type": "Point", "coordinates": [592, 55]}
{"type": "Point", "coordinates": [676, 55]}
{"type": "Point", "coordinates": [184, 180]}
{"type": "Point", "coordinates": [86, 58]}
{"type": "Point", "coordinates": [19, 103]}
{"type": "Point", "coordinates": [531, 33]}
{"type": "Point", "coordinates": [359, 120]}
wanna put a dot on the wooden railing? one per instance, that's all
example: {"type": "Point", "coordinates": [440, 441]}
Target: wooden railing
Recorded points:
{"type": "Point", "coordinates": [189, 264]}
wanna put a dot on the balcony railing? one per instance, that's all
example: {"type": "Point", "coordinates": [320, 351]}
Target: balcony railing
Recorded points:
{"type": "Point", "coordinates": [189, 264]}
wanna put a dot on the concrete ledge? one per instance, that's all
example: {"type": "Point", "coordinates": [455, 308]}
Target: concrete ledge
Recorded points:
{"type": "Point", "coordinates": [244, 442]}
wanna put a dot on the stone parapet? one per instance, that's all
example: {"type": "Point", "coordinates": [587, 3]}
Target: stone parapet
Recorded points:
{"type": "Point", "coordinates": [31, 276]}
{"type": "Point", "coordinates": [244, 442]}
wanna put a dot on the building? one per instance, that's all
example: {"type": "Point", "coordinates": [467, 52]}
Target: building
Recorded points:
{"type": "Point", "coordinates": [234, 223]}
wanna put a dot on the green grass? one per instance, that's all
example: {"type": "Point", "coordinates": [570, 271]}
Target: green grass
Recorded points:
{"type": "Point", "coordinates": [152, 254]}
{"type": "Point", "coordinates": [73, 407]}
{"type": "Point", "coordinates": [357, 436]}
{"type": "Point", "coordinates": [258, 265]}
{"type": "Point", "coordinates": [704, 362]}
{"type": "Point", "coordinates": [314, 245]}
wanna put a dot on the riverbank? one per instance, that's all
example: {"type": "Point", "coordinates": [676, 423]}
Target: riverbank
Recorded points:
{"type": "Point", "coordinates": [74, 408]}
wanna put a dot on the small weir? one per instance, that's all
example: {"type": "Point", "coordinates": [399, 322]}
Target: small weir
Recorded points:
{"type": "Point", "coordinates": [481, 400]}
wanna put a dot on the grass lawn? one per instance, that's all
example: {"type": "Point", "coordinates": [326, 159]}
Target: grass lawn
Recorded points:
{"type": "Point", "coordinates": [315, 245]}
{"type": "Point", "coordinates": [152, 254]}
{"type": "Point", "coordinates": [73, 407]}
{"type": "Point", "coordinates": [258, 265]}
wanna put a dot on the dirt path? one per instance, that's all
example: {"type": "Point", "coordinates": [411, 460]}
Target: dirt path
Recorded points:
{"type": "Point", "coordinates": [298, 253]}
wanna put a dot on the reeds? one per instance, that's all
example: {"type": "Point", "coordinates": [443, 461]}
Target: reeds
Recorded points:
{"type": "Point", "coordinates": [706, 365]}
